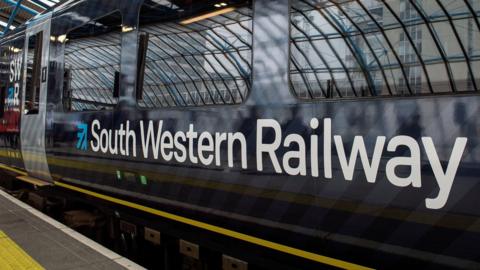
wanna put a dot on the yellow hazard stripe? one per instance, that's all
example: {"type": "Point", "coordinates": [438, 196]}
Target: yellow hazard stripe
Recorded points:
{"type": "Point", "coordinates": [8, 168]}
{"type": "Point", "coordinates": [12, 257]}
{"type": "Point", "coordinates": [241, 236]}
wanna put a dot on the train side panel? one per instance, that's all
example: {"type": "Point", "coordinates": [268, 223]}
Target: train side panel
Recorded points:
{"type": "Point", "coordinates": [280, 169]}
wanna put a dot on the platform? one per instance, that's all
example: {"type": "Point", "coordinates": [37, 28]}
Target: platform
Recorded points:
{"type": "Point", "coordinates": [31, 240]}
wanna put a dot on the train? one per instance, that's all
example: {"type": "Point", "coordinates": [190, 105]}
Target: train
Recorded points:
{"type": "Point", "coordinates": [261, 134]}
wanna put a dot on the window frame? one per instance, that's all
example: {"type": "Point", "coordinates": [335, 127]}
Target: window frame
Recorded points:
{"type": "Point", "coordinates": [63, 69]}
{"type": "Point", "coordinates": [36, 75]}
{"type": "Point", "coordinates": [248, 81]}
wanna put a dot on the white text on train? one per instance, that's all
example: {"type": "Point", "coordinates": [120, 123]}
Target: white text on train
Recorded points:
{"type": "Point", "coordinates": [15, 75]}
{"type": "Point", "coordinates": [287, 153]}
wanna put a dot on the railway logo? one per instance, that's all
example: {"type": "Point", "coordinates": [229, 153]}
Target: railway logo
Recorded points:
{"type": "Point", "coordinates": [82, 135]}
{"type": "Point", "coordinates": [11, 96]}
{"type": "Point", "coordinates": [15, 76]}
{"type": "Point", "coordinates": [318, 155]}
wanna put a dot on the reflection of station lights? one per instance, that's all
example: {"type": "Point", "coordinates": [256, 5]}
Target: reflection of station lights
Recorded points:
{"type": "Point", "coordinates": [15, 49]}
{"type": "Point", "coordinates": [61, 38]}
{"type": "Point", "coordinates": [209, 15]}
{"type": "Point", "coordinates": [126, 28]}
{"type": "Point", "coordinates": [219, 5]}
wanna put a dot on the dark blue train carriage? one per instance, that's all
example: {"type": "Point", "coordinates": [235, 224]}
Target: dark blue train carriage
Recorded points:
{"type": "Point", "coordinates": [285, 134]}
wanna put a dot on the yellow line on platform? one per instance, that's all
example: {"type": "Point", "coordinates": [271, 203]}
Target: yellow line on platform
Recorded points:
{"type": "Point", "coordinates": [234, 234]}
{"type": "Point", "coordinates": [13, 257]}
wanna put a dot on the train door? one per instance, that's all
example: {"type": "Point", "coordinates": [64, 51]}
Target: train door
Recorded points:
{"type": "Point", "coordinates": [34, 95]}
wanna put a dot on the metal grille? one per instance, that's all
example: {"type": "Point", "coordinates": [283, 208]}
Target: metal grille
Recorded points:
{"type": "Point", "coordinates": [342, 49]}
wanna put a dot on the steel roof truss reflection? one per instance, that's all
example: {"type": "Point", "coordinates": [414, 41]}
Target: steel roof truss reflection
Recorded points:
{"type": "Point", "coordinates": [93, 63]}
{"type": "Point", "coordinates": [197, 64]}
{"type": "Point", "coordinates": [206, 62]}
{"type": "Point", "coordinates": [368, 32]}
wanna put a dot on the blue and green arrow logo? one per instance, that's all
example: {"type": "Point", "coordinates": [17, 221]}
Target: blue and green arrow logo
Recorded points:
{"type": "Point", "coordinates": [82, 135]}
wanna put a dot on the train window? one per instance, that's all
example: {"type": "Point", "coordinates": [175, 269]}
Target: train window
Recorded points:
{"type": "Point", "coordinates": [11, 78]}
{"type": "Point", "coordinates": [92, 65]}
{"type": "Point", "coordinates": [196, 53]}
{"type": "Point", "coordinates": [345, 49]}
{"type": "Point", "coordinates": [34, 65]}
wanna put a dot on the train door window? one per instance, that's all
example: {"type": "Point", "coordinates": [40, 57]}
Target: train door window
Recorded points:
{"type": "Point", "coordinates": [194, 53]}
{"type": "Point", "coordinates": [92, 65]}
{"type": "Point", "coordinates": [34, 65]}
{"type": "Point", "coordinates": [382, 48]}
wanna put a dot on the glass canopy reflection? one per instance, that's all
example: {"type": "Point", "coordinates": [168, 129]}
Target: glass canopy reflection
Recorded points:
{"type": "Point", "coordinates": [384, 48]}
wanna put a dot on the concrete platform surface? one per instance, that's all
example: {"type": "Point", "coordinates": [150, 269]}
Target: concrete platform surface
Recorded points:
{"type": "Point", "coordinates": [31, 240]}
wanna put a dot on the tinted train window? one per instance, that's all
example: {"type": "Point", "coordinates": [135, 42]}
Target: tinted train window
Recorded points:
{"type": "Point", "coordinates": [383, 48]}
{"type": "Point", "coordinates": [92, 65]}
{"type": "Point", "coordinates": [196, 53]}
{"type": "Point", "coordinates": [11, 77]}
{"type": "Point", "coordinates": [34, 65]}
